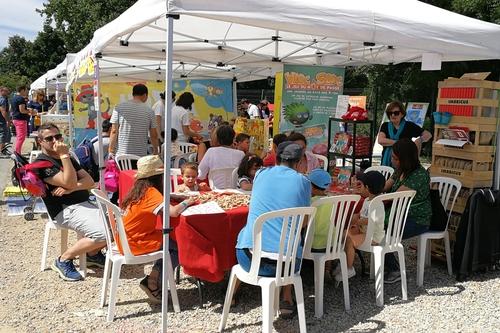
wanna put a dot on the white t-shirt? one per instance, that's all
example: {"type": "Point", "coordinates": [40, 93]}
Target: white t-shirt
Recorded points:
{"type": "Point", "coordinates": [159, 109]}
{"type": "Point", "coordinates": [253, 111]}
{"type": "Point", "coordinates": [180, 117]}
{"type": "Point", "coordinates": [219, 158]}
{"type": "Point", "coordinates": [378, 232]}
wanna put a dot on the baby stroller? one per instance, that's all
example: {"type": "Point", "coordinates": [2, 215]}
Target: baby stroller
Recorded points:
{"type": "Point", "coordinates": [31, 199]}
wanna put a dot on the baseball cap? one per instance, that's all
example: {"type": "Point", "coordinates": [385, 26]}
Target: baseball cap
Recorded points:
{"type": "Point", "coordinates": [289, 150]}
{"type": "Point", "coordinates": [320, 178]}
{"type": "Point", "coordinates": [374, 180]}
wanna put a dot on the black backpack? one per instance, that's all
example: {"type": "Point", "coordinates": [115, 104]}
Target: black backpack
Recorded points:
{"type": "Point", "coordinates": [439, 216]}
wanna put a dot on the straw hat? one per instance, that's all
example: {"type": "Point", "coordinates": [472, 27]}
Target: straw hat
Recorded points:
{"type": "Point", "coordinates": [148, 166]}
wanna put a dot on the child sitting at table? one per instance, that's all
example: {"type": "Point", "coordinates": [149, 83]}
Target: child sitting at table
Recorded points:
{"type": "Point", "coordinates": [142, 205]}
{"type": "Point", "coordinates": [246, 171]}
{"type": "Point", "coordinates": [371, 184]}
{"type": "Point", "coordinates": [320, 180]}
{"type": "Point", "coordinates": [189, 172]}
{"type": "Point", "coordinates": [242, 142]}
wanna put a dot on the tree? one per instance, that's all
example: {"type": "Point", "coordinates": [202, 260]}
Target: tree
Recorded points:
{"type": "Point", "coordinates": [76, 21]}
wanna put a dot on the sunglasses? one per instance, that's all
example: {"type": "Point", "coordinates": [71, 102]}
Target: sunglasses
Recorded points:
{"type": "Point", "coordinates": [51, 138]}
{"type": "Point", "coordinates": [393, 113]}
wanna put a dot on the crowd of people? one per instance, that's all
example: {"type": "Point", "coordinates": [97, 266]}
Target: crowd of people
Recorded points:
{"type": "Point", "coordinates": [286, 176]}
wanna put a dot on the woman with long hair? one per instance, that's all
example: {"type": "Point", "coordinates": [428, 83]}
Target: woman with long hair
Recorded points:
{"type": "Point", "coordinates": [409, 175]}
{"type": "Point", "coordinates": [142, 206]}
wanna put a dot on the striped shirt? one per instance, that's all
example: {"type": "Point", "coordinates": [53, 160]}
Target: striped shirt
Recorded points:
{"type": "Point", "coordinates": [135, 119]}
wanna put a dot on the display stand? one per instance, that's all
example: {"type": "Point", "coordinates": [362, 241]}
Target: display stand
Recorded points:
{"type": "Point", "coordinates": [350, 127]}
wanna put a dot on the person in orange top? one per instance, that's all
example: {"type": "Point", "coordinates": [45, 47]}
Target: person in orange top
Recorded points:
{"type": "Point", "coordinates": [142, 205]}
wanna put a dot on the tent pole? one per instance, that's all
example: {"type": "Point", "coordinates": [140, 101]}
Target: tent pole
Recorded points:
{"type": "Point", "coordinates": [166, 162]}
{"type": "Point", "coordinates": [70, 116]}
{"type": "Point", "coordinates": [235, 98]}
{"type": "Point", "coordinates": [57, 96]}
{"type": "Point", "coordinates": [97, 106]}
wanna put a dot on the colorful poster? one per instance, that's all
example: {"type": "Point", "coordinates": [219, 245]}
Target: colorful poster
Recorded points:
{"type": "Point", "coordinates": [258, 131]}
{"type": "Point", "coordinates": [213, 103]}
{"type": "Point", "coordinates": [415, 112]}
{"type": "Point", "coordinates": [309, 99]}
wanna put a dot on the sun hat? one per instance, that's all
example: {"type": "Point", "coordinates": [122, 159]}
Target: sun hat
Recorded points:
{"type": "Point", "coordinates": [320, 178]}
{"type": "Point", "coordinates": [148, 166]}
{"type": "Point", "coordinates": [289, 150]}
{"type": "Point", "coordinates": [374, 180]}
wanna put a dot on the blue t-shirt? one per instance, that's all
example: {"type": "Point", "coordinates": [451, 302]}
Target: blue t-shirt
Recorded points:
{"type": "Point", "coordinates": [35, 105]}
{"type": "Point", "coordinates": [4, 103]}
{"type": "Point", "coordinates": [16, 114]}
{"type": "Point", "coordinates": [274, 188]}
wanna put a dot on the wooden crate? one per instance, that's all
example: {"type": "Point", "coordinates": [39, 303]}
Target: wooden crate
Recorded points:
{"type": "Point", "coordinates": [477, 100]}
{"type": "Point", "coordinates": [482, 136]}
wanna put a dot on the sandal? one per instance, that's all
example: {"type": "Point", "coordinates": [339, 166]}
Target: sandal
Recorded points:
{"type": "Point", "coordinates": [153, 295]}
{"type": "Point", "coordinates": [287, 310]}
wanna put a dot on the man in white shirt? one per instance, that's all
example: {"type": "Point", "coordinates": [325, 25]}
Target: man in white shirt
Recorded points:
{"type": "Point", "coordinates": [252, 109]}
{"type": "Point", "coordinates": [159, 109]}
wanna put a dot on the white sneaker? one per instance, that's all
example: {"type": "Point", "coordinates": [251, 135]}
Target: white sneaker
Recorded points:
{"type": "Point", "coordinates": [350, 273]}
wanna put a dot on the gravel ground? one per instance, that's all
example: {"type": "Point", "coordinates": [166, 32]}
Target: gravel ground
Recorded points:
{"type": "Point", "coordinates": [34, 301]}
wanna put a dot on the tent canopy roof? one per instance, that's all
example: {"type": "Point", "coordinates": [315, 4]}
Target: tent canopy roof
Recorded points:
{"type": "Point", "coordinates": [242, 38]}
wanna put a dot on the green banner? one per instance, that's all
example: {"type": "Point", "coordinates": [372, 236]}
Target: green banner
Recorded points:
{"type": "Point", "coordinates": [309, 99]}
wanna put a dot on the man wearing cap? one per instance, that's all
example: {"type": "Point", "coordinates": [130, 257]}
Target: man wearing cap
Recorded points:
{"type": "Point", "coordinates": [274, 188]}
{"type": "Point", "coordinates": [320, 180]}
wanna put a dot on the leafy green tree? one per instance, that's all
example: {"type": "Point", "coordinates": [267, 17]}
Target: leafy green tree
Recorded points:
{"type": "Point", "coordinates": [77, 20]}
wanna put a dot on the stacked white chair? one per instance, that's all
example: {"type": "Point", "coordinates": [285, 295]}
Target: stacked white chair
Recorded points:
{"type": "Point", "coordinates": [112, 218]}
{"type": "Point", "coordinates": [340, 220]}
{"type": "Point", "coordinates": [386, 171]}
{"type": "Point", "coordinates": [400, 204]}
{"type": "Point", "coordinates": [124, 161]}
{"type": "Point", "coordinates": [285, 267]}
{"type": "Point", "coordinates": [448, 192]}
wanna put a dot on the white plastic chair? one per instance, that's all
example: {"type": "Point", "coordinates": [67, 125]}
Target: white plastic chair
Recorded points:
{"type": "Point", "coordinates": [340, 218]}
{"type": "Point", "coordinates": [448, 192]}
{"type": "Point", "coordinates": [124, 161]}
{"type": "Point", "coordinates": [324, 159]}
{"type": "Point", "coordinates": [49, 226]}
{"type": "Point", "coordinates": [174, 173]}
{"type": "Point", "coordinates": [386, 171]}
{"type": "Point", "coordinates": [224, 174]}
{"type": "Point", "coordinates": [234, 178]}
{"type": "Point", "coordinates": [186, 147]}
{"type": "Point", "coordinates": [285, 266]}
{"type": "Point", "coordinates": [112, 218]}
{"type": "Point", "coordinates": [401, 202]}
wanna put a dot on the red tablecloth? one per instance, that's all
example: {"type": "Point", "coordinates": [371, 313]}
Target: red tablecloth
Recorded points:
{"type": "Point", "coordinates": [206, 243]}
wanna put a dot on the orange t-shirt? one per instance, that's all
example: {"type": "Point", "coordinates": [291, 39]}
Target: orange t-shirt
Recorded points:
{"type": "Point", "coordinates": [140, 222]}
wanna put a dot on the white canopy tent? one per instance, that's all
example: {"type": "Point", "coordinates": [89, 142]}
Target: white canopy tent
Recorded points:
{"type": "Point", "coordinates": [258, 37]}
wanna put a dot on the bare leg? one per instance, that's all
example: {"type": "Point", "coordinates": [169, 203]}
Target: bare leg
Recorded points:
{"type": "Point", "coordinates": [287, 294]}
{"type": "Point", "coordinates": [349, 251]}
{"type": "Point", "coordinates": [83, 245]}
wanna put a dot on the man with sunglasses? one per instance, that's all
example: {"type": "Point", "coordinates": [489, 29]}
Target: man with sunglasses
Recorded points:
{"type": "Point", "coordinates": [398, 128]}
{"type": "Point", "coordinates": [67, 203]}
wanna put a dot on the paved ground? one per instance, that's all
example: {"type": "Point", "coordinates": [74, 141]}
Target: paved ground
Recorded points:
{"type": "Point", "coordinates": [35, 301]}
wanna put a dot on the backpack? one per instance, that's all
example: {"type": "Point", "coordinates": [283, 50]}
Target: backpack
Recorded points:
{"type": "Point", "coordinates": [27, 177]}
{"type": "Point", "coordinates": [111, 176]}
{"type": "Point", "coordinates": [84, 152]}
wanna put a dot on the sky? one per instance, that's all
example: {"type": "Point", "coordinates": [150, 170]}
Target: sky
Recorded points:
{"type": "Point", "coordinates": [19, 18]}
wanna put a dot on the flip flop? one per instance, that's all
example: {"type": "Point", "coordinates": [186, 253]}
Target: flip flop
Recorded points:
{"type": "Point", "coordinates": [153, 295]}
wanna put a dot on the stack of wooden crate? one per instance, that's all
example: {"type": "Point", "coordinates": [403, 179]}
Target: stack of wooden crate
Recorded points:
{"type": "Point", "coordinates": [474, 104]}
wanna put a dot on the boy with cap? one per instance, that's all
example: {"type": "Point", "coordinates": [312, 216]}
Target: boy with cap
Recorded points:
{"type": "Point", "coordinates": [371, 184]}
{"type": "Point", "coordinates": [320, 180]}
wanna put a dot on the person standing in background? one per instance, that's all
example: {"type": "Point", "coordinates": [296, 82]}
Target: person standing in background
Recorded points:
{"type": "Point", "coordinates": [36, 106]}
{"type": "Point", "coordinates": [131, 121]}
{"type": "Point", "coordinates": [252, 109]}
{"type": "Point", "coordinates": [4, 119]}
{"type": "Point", "coordinates": [20, 116]}
{"type": "Point", "coordinates": [180, 118]}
